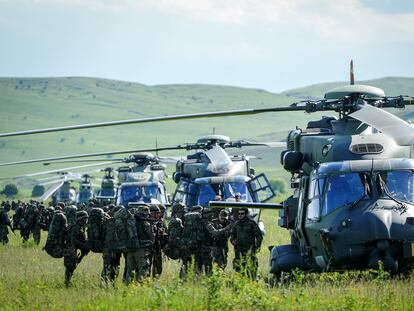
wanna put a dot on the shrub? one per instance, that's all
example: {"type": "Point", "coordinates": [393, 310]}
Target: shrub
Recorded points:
{"type": "Point", "coordinates": [38, 190]}
{"type": "Point", "coordinates": [10, 190]}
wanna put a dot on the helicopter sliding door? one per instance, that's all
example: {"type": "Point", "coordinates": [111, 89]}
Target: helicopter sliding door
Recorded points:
{"type": "Point", "coordinates": [261, 189]}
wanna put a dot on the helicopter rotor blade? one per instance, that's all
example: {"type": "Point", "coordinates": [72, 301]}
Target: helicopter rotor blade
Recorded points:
{"type": "Point", "coordinates": [272, 144]}
{"type": "Point", "coordinates": [76, 156]}
{"type": "Point", "coordinates": [56, 170]}
{"type": "Point", "coordinates": [51, 191]}
{"type": "Point", "coordinates": [113, 160]}
{"type": "Point", "coordinates": [240, 112]}
{"type": "Point", "coordinates": [389, 124]}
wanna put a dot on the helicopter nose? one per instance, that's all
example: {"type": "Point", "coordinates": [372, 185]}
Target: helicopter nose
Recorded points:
{"type": "Point", "coordinates": [379, 223]}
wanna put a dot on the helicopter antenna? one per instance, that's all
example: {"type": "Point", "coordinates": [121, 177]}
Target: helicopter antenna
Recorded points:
{"type": "Point", "coordinates": [351, 73]}
{"type": "Point", "coordinates": [156, 147]}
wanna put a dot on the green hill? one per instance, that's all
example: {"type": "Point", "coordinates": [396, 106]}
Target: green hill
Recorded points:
{"type": "Point", "coordinates": [28, 103]}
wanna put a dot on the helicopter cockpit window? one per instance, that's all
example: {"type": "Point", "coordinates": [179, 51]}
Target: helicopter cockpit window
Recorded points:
{"type": "Point", "coordinates": [231, 188]}
{"type": "Point", "coordinates": [185, 192]}
{"type": "Point", "coordinates": [400, 185]}
{"type": "Point", "coordinates": [205, 195]}
{"type": "Point", "coordinates": [342, 189]}
{"type": "Point", "coordinates": [139, 194]}
{"type": "Point", "coordinates": [107, 192]}
{"type": "Point", "coordinates": [314, 192]}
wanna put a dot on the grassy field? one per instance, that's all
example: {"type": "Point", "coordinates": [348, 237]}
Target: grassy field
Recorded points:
{"type": "Point", "coordinates": [32, 280]}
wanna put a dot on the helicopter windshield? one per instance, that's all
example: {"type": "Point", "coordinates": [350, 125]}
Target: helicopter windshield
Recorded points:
{"type": "Point", "coordinates": [134, 193]}
{"type": "Point", "coordinates": [342, 189]}
{"type": "Point", "coordinates": [107, 192]}
{"type": "Point", "coordinates": [208, 192]}
{"type": "Point", "coordinates": [400, 185]}
{"type": "Point", "coordinates": [84, 196]}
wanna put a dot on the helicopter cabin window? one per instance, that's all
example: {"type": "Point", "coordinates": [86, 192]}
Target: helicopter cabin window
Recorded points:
{"type": "Point", "coordinates": [342, 189]}
{"type": "Point", "coordinates": [314, 194]}
{"type": "Point", "coordinates": [399, 185]}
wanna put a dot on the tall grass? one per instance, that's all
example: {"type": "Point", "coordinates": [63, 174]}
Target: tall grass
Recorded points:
{"type": "Point", "coordinates": [32, 280]}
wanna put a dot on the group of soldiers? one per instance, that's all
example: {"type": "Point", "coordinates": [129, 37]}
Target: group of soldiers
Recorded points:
{"type": "Point", "coordinates": [29, 218]}
{"type": "Point", "coordinates": [140, 233]}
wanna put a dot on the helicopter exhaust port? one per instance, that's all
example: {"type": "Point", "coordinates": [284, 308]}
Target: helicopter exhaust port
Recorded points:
{"type": "Point", "coordinates": [383, 253]}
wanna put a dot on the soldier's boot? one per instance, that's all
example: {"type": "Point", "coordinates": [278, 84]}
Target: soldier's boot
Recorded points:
{"type": "Point", "coordinates": [68, 277]}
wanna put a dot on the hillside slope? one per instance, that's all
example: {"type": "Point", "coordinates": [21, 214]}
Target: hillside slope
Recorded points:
{"type": "Point", "coordinates": [27, 103]}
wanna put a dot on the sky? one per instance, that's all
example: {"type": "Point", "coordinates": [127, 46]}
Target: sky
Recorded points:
{"type": "Point", "coordinates": [267, 44]}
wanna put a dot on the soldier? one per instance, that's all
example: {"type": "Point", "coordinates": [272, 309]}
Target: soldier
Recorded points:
{"type": "Point", "coordinates": [76, 241]}
{"type": "Point", "coordinates": [7, 206]}
{"type": "Point", "coordinates": [174, 231]}
{"type": "Point", "coordinates": [17, 216]}
{"type": "Point", "coordinates": [220, 244]}
{"type": "Point", "coordinates": [47, 217]}
{"type": "Point", "coordinates": [212, 233]}
{"type": "Point", "coordinates": [247, 239]}
{"type": "Point", "coordinates": [4, 223]}
{"type": "Point", "coordinates": [197, 240]}
{"type": "Point", "coordinates": [138, 262]}
{"type": "Point", "coordinates": [160, 234]}
{"type": "Point", "coordinates": [30, 223]}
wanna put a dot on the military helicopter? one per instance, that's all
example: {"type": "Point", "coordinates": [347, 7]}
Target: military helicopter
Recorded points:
{"type": "Point", "coordinates": [352, 175]}
{"type": "Point", "coordinates": [210, 173]}
{"type": "Point", "coordinates": [63, 191]}
{"type": "Point", "coordinates": [108, 189]}
{"type": "Point", "coordinates": [85, 192]}
{"type": "Point", "coordinates": [142, 182]}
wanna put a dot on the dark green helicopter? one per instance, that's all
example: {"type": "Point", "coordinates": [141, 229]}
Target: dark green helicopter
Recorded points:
{"type": "Point", "coordinates": [353, 181]}
{"type": "Point", "coordinates": [107, 192]}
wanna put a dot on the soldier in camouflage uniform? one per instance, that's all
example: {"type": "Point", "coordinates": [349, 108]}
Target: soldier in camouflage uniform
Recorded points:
{"type": "Point", "coordinates": [138, 264]}
{"type": "Point", "coordinates": [17, 216]}
{"type": "Point", "coordinates": [30, 222]}
{"type": "Point", "coordinates": [247, 239]}
{"type": "Point", "coordinates": [200, 250]}
{"type": "Point", "coordinates": [47, 217]}
{"type": "Point", "coordinates": [160, 233]}
{"type": "Point", "coordinates": [4, 224]}
{"type": "Point", "coordinates": [211, 234]}
{"type": "Point", "coordinates": [75, 242]}
{"type": "Point", "coordinates": [220, 244]}
{"type": "Point", "coordinates": [174, 231]}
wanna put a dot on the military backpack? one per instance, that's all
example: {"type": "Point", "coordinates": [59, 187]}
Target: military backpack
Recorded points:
{"type": "Point", "coordinates": [193, 232]}
{"type": "Point", "coordinates": [56, 238]}
{"type": "Point", "coordinates": [96, 229]}
{"type": "Point", "coordinates": [121, 231]}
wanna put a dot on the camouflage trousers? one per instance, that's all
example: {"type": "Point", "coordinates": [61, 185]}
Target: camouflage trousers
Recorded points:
{"type": "Point", "coordinates": [220, 256]}
{"type": "Point", "coordinates": [245, 262]}
{"type": "Point", "coordinates": [137, 265]}
{"type": "Point", "coordinates": [70, 261]}
{"type": "Point", "coordinates": [111, 263]}
{"type": "Point", "coordinates": [202, 260]}
{"type": "Point", "coordinates": [35, 230]}
{"type": "Point", "coordinates": [156, 262]}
